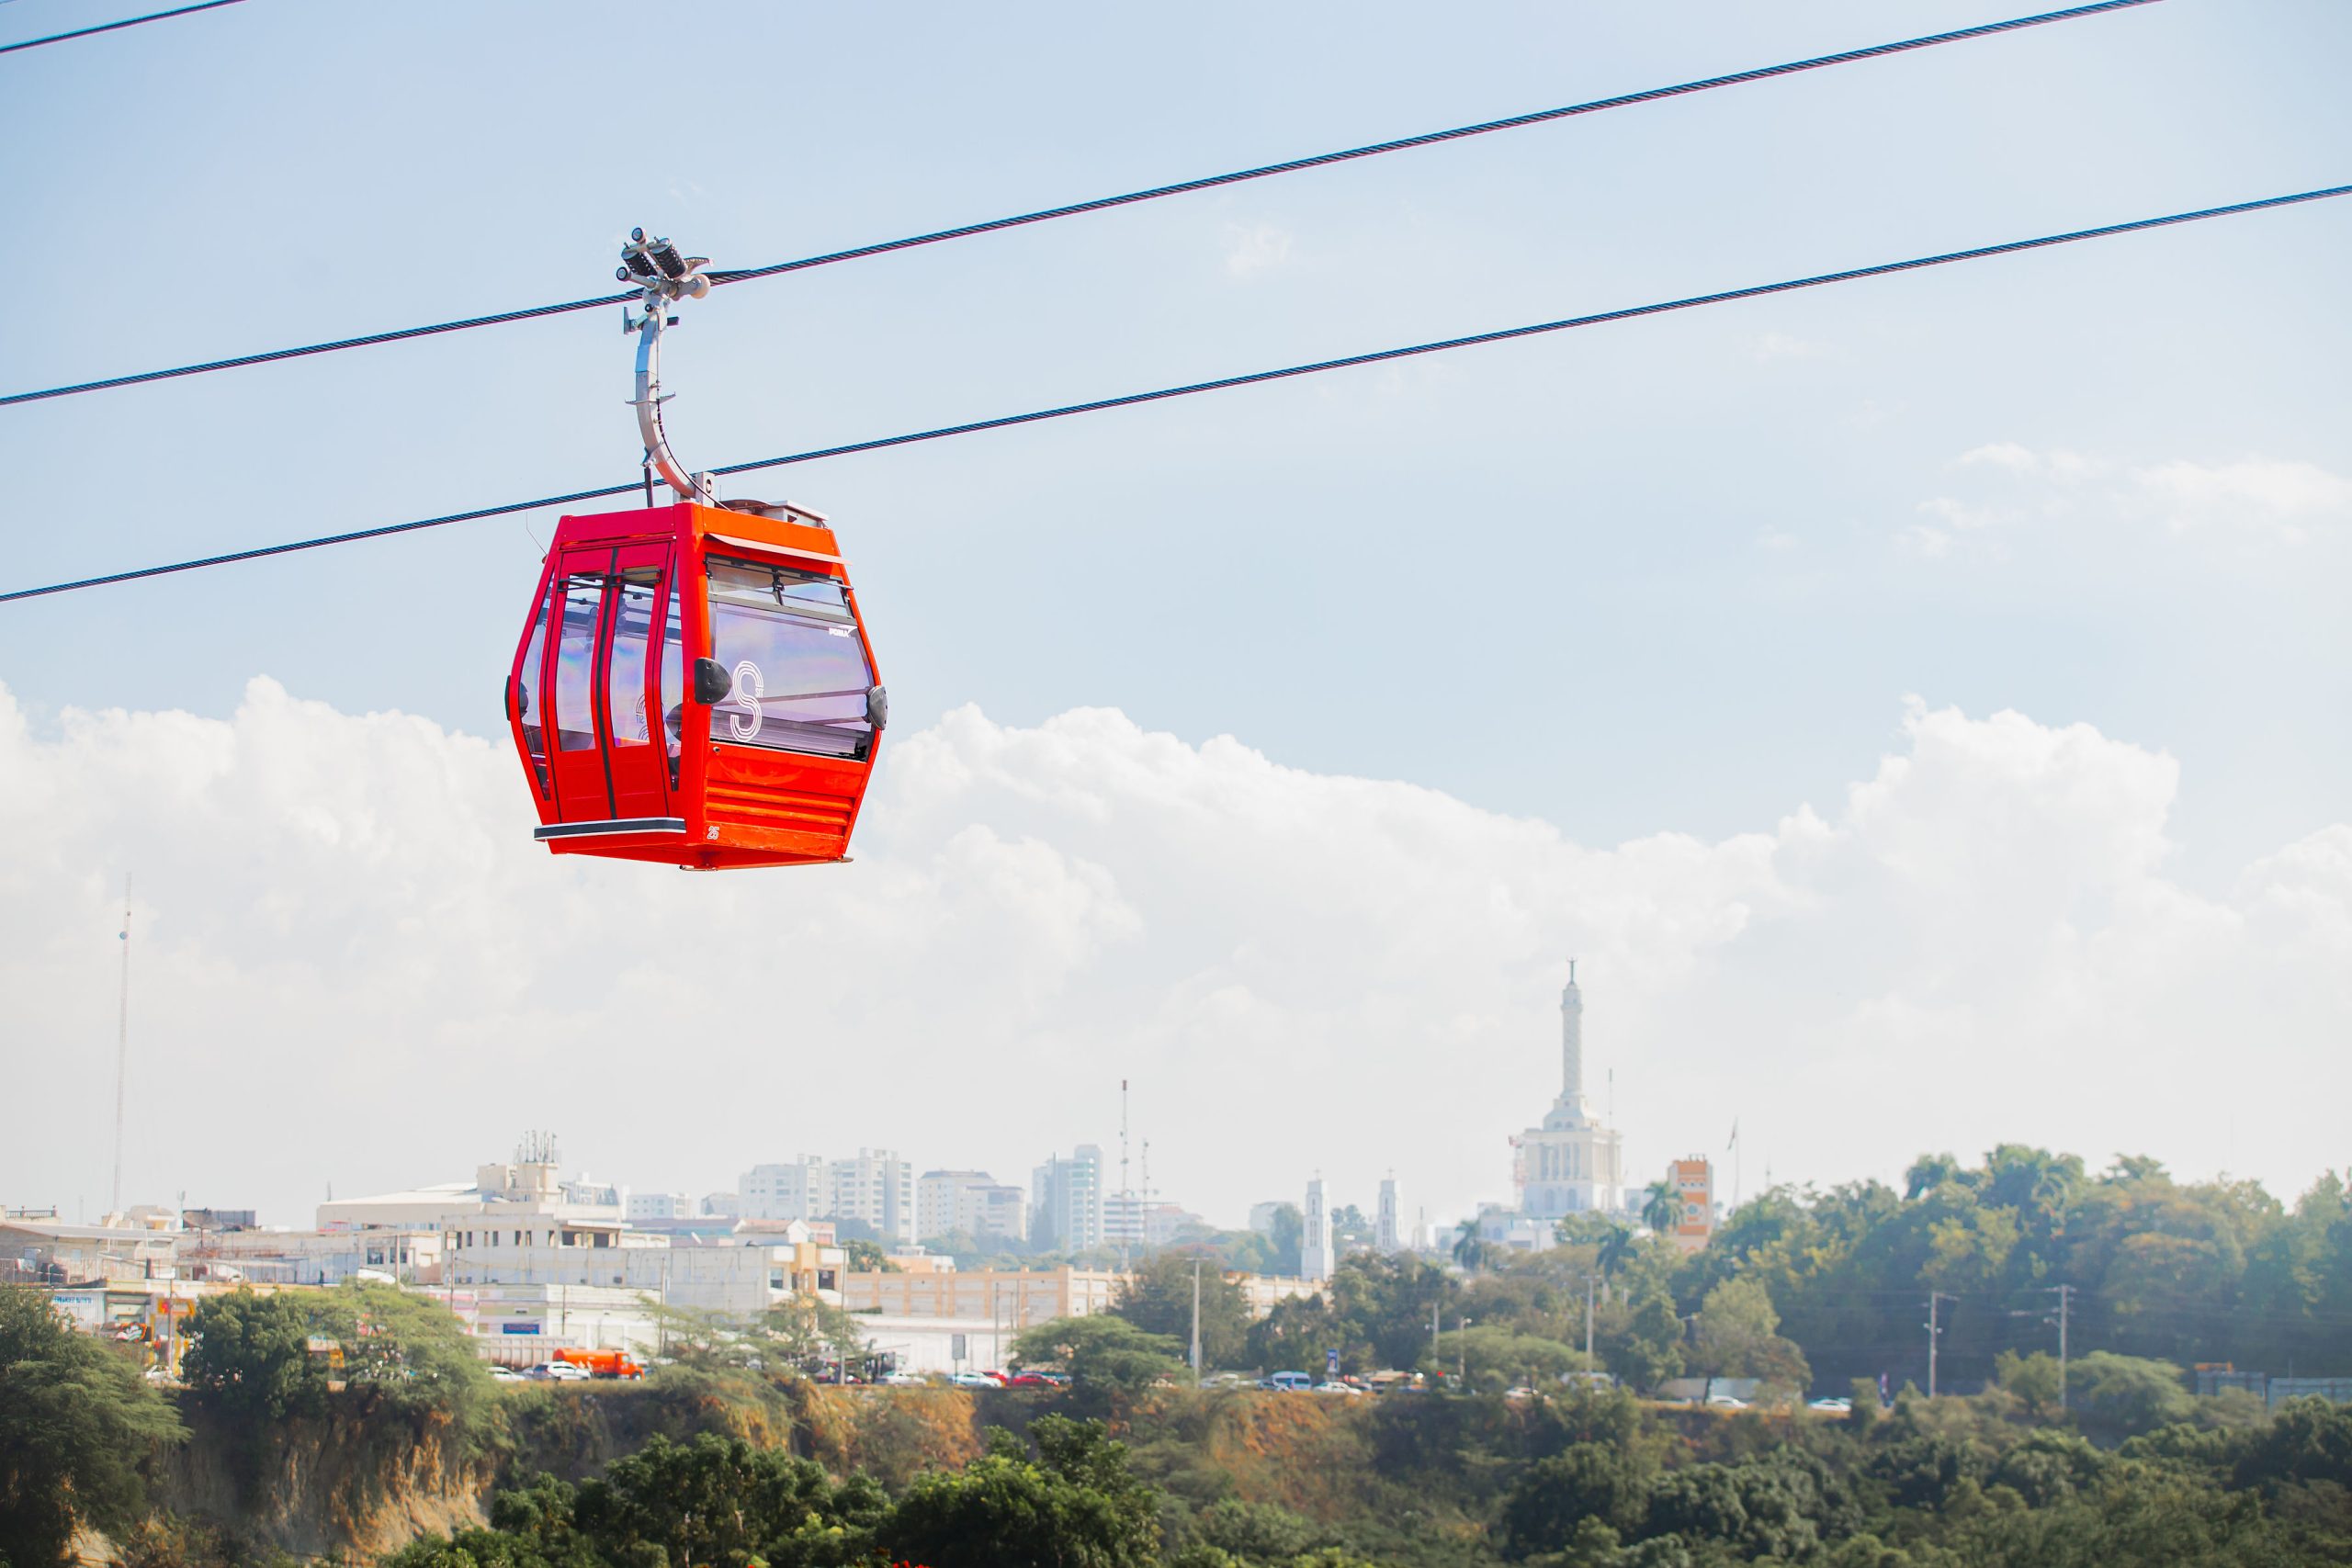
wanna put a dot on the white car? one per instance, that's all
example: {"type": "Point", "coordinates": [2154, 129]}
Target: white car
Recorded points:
{"type": "Point", "coordinates": [906, 1379]}
{"type": "Point", "coordinates": [1834, 1405]}
{"type": "Point", "coordinates": [973, 1380]}
{"type": "Point", "coordinates": [559, 1372]}
{"type": "Point", "coordinates": [1337, 1388]}
{"type": "Point", "coordinates": [1726, 1402]}
{"type": "Point", "coordinates": [504, 1374]}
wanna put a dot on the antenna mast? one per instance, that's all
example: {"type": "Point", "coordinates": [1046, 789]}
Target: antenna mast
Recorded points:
{"type": "Point", "coordinates": [1126, 1193]}
{"type": "Point", "coordinates": [121, 1044]}
{"type": "Point", "coordinates": [664, 278]}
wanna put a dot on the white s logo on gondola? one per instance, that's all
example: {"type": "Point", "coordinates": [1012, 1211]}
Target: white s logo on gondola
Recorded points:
{"type": "Point", "coordinates": [749, 689]}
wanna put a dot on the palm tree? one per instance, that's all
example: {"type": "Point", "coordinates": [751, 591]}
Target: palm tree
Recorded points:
{"type": "Point", "coordinates": [1468, 1250]}
{"type": "Point", "coordinates": [1661, 1208]}
{"type": "Point", "coordinates": [1615, 1252]}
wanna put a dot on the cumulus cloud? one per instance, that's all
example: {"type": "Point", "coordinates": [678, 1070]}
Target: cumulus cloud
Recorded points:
{"type": "Point", "coordinates": [352, 967]}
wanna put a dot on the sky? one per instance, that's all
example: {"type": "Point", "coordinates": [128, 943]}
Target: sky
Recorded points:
{"type": "Point", "coordinates": [1917, 704]}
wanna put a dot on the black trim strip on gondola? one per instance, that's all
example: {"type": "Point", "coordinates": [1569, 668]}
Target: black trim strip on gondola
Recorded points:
{"type": "Point", "coordinates": [607, 829]}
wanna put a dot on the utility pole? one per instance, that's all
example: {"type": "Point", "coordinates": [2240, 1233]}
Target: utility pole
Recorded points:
{"type": "Point", "coordinates": [1934, 1297]}
{"type": "Point", "coordinates": [1589, 1280]}
{"type": "Point", "coordinates": [121, 1044]}
{"type": "Point", "coordinates": [2066, 1294]}
{"type": "Point", "coordinates": [1197, 1323]}
{"type": "Point", "coordinates": [1126, 1193]}
{"type": "Point", "coordinates": [1462, 1350]}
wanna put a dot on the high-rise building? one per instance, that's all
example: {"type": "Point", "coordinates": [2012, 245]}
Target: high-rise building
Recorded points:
{"type": "Point", "coordinates": [797, 1190]}
{"type": "Point", "coordinates": [659, 1206]}
{"type": "Point", "coordinates": [1065, 1200]}
{"type": "Point", "coordinates": [971, 1201]}
{"type": "Point", "coordinates": [1384, 1235]}
{"type": "Point", "coordinates": [1570, 1164]}
{"type": "Point", "coordinates": [1315, 1239]}
{"type": "Point", "coordinates": [1262, 1215]}
{"type": "Point", "coordinates": [876, 1188]}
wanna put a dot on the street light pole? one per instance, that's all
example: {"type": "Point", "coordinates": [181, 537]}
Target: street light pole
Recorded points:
{"type": "Point", "coordinates": [1589, 1280]}
{"type": "Point", "coordinates": [2066, 1294]}
{"type": "Point", "coordinates": [1934, 1297]}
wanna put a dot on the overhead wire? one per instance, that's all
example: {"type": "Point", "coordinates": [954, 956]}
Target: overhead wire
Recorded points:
{"type": "Point", "coordinates": [116, 26]}
{"type": "Point", "coordinates": [1222, 383]}
{"type": "Point", "coordinates": [1101, 204]}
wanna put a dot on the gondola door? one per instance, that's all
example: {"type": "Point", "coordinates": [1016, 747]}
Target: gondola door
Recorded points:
{"type": "Point", "coordinates": [612, 754]}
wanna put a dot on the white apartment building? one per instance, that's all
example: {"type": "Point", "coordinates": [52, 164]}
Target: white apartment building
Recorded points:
{"type": "Point", "coordinates": [1065, 1200]}
{"type": "Point", "coordinates": [795, 1191]}
{"type": "Point", "coordinates": [875, 1187]}
{"type": "Point", "coordinates": [971, 1201]}
{"type": "Point", "coordinates": [722, 1206]}
{"type": "Point", "coordinates": [659, 1206]}
{"type": "Point", "coordinates": [1142, 1224]}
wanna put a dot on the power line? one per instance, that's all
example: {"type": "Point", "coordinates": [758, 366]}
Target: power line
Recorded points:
{"type": "Point", "coordinates": [117, 27]}
{"type": "Point", "coordinates": [1224, 383]}
{"type": "Point", "coordinates": [1100, 204]}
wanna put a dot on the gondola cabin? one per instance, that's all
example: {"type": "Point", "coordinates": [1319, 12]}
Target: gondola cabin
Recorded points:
{"type": "Point", "coordinates": [695, 688]}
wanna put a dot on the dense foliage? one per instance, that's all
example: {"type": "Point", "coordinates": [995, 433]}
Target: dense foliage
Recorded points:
{"type": "Point", "coordinates": [75, 1422]}
{"type": "Point", "coordinates": [1810, 1289]}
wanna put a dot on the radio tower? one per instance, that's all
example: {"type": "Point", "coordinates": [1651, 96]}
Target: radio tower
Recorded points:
{"type": "Point", "coordinates": [1126, 1194]}
{"type": "Point", "coordinates": [121, 1044]}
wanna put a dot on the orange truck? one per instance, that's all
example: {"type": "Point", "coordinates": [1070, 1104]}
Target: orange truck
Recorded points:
{"type": "Point", "coordinates": [602, 1364]}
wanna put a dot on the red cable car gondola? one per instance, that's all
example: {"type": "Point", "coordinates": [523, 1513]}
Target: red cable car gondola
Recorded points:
{"type": "Point", "coordinates": [695, 686]}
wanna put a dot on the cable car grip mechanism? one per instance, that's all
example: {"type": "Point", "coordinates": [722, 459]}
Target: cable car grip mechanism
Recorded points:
{"type": "Point", "coordinates": [664, 278]}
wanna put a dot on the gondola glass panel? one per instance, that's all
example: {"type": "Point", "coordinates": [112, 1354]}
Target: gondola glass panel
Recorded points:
{"type": "Point", "coordinates": [790, 644]}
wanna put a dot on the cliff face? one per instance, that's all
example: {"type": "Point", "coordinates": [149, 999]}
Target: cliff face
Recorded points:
{"type": "Point", "coordinates": [332, 1486]}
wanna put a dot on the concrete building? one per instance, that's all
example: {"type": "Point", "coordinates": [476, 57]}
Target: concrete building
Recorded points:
{"type": "Point", "coordinates": [876, 1188]}
{"type": "Point", "coordinates": [525, 1194]}
{"type": "Point", "coordinates": [642, 1206]}
{"type": "Point", "coordinates": [797, 1191]}
{"type": "Point", "coordinates": [734, 1275]}
{"type": "Point", "coordinates": [1065, 1200]}
{"type": "Point", "coordinates": [971, 1201]}
{"type": "Point", "coordinates": [1384, 1235]}
{"type": "Point", "coordinates": [1570, 1163]}
{"type": "Point", "coordinates": [1262, 1215]}
{"type": "Point", "coordinates": [722, 1206]}
{"type": "Point", "coordinates": [1141, 1225]}
{"type": "Point", "coordinates": [1315, 1251]}
{"type": "Point", "coordinates": [1693, 1180]}
{"type": "Point", "coordinates": [1014, 1297]}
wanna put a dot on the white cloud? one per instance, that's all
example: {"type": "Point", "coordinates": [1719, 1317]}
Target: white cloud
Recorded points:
{"type": "Point", "coordinates": [1771, 346]}
{"type": "Point", "coordinates": [2256, 498]}
{"type": "Point", "coordinates": [1254, 248]}
{"type": "Point", "coordinates": [353, 966]}
{"type": "Point", "coordinates": [2280, 497]}
{"type": "Point", "coordinates": [1775, 539]}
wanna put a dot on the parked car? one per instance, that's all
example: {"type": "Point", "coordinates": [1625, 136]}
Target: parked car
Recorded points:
{"type": "Point", "coordinates": [558, 1372]}
{"type": "Point", "coordinates": [973, 1380]}
{"type": "Point", "coordinates": [504, 1374]}
{"type": "Point", "coordinates": [1337, 1388]}
{"type": "Point", "coordinates": [1287, 1383]}
{"type": "Point", "coordinates": [1521, 1392]}
{"type": "Point", "coordinates": [1726, 1402]}
{"type": "Point", "coordinates": [905, 1379]}
{"type": "Point", "coordinates": [1030, 1380]}
{"type": "Point", "coordinates": [1835, 1405]}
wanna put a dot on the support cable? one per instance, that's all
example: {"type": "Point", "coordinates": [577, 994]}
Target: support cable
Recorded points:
{"type": "Point", "coordinates": [1250, 379]}
{"type": "Point", "coordinates": [116, 26]}
{"type": "Point", "coordinates": [1101, 204]}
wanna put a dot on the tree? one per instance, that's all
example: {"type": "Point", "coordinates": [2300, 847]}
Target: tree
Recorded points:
{"type": "Point", "coordinates": [1617, 1250]}
{"type": "Point", "coordinates": [1737, 1336]}
{"type": "Point", "coordinates": [867, 1258]}
{"type": "Point", "coordinates": [1927, 1173]}
{"type": "Point", "coordinates": [2033, 1379]}
{"type": "Point", "coordinates": [1493, 1357]}
{"type": "Point", "coordinates": [1661, 1207]}
{"type": "Point", "coordinates": [1157, 1298]}
{"type": "Point", "coordinates": [1285, 1233]}
{"type": "Point", "coordinates": [1075, 1506]}
{"type": "Point", "coordinates": [724, 1502]}
{"type": "Point", "coordinates": [1469, 1251]}
{"type": "Point", "coordinates": [1104, 1354]}
{"type": "Point", "coordinates": [1647, 1348]}
{"type": "Point", "coordinates": [76, 1420]}
{"type": "Point", "coordinates": [247, 1358]}
{"type": "Point", "coordinates": [2122, 1394]}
